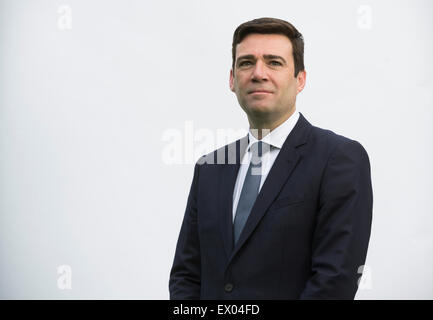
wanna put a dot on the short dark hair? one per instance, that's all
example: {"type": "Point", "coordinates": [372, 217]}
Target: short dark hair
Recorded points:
{"type": "Point", "coordinates": [272, 26]}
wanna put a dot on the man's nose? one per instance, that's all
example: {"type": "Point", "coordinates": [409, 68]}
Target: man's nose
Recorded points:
{"type": "Point", "coordinates": [259, 72]}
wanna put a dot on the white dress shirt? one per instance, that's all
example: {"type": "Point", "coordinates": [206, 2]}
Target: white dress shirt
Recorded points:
{"type": "Point", "coordinates": [275, 139]}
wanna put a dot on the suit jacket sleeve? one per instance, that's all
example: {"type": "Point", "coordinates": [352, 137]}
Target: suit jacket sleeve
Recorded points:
{"type": "Point", "coordinates": [185, 274]}
{"type": "Point", "coordinates": [343, 224]}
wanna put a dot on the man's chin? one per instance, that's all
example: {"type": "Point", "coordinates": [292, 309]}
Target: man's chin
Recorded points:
{"type": "Point", "coordinates": [260, 109]}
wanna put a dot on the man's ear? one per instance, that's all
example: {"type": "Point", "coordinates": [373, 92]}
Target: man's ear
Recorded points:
{"type": "Point", "coordinates": [301, 78]}
{"type": "Point", "coordinates": [231, 81]}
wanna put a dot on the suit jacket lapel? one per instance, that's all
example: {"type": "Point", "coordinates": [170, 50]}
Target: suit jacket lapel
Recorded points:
{"type": "Point", "coordinates": [229, 172]}
{"type": "Point", "coordinates": [281, 170]}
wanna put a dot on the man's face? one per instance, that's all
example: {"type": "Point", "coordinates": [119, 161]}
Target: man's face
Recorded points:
{"type": "Point", "coordinates": [263, 78]}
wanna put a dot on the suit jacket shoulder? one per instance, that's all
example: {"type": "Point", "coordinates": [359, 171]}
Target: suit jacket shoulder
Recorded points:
{"type": "Point", "coordinates": [321, 140]}
{"type": "Point", "coordinates": [332, 142]}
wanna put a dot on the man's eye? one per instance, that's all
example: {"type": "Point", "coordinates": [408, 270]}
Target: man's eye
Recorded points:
{"type": "Point", "coordinates": [244, 63]}
{"type": "Point", "coordinates": [275, 63]}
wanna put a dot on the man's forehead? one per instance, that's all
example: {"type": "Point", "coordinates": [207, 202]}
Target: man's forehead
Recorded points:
{"type": "Point", "coordinates": [264, 44]}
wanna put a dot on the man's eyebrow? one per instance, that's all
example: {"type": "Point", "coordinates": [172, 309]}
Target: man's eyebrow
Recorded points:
{"type": "Point", "coordinates": [266, 56]}
{"type": "Point", "coordinates": [247, 56]}
{"type": "Point", "coordinates": [272, 56]}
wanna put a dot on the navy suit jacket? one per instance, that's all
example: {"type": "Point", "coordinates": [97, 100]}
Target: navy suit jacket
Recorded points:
{"type": "Point", "coordinates": [306, 236]}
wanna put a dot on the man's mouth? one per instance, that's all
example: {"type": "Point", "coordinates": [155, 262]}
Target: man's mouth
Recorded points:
{"type": "Point", "coordinates": [260, 92]}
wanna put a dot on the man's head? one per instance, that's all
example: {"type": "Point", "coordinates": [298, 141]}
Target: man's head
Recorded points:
{"type": "Point", "coordinates": [268, 56]}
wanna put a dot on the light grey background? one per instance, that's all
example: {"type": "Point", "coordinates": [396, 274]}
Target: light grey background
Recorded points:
{"type": "Point", "coordinates": [84, 111]}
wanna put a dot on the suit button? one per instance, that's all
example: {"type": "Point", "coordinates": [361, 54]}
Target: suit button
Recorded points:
{"type": "Point", "coordinates": [228, 287]}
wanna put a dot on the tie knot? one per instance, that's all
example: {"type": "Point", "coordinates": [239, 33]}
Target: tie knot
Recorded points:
{"type": "Point", "coordinates": [259, 148]}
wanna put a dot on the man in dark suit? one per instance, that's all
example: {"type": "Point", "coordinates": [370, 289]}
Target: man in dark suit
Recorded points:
{"type": "Point", "coordinates": [285, 212]}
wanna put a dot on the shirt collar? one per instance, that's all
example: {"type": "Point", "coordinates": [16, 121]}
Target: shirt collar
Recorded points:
{"type": "Point", "coordinates": [277, 136]}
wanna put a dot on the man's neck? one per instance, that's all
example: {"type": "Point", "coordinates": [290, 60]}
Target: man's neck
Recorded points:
{"type": "Point", "coordinates": [259, 129]}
